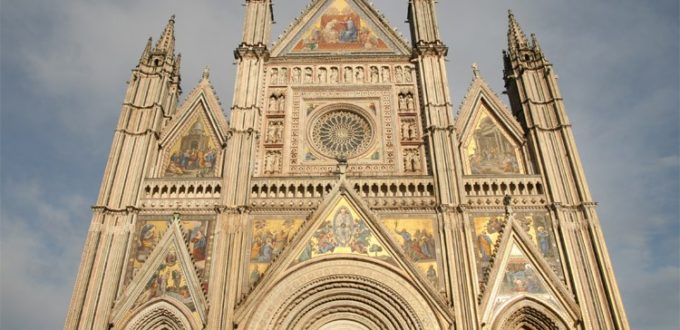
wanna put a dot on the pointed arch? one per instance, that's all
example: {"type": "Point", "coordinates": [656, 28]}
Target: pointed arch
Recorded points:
{"type": "Point", "coordinates": [162, 313]}
{"type": "Point", "coordinates": [529, 313]}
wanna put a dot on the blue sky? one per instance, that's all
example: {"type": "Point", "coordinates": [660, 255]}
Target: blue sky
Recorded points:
{"type": "Point", "coordinates": [64, 64]}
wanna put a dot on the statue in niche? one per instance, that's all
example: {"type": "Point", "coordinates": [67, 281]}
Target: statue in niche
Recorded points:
{"type": "Point", "coordinates": [273, 105]}
{"type": "Point", "coordinates": [334, 75]}
{"type": "Point", "coordinates": [402, 102]}
{"type": "Point", "coordinates": [278, 132]}
{"type": "Point", "coordinates": [272, 162]}
{"type": "Point", "coordinates": [409, 102]}
{"type": "Point", "coordinates": [322, 75]}
{"type": "Point", "coordinates": [283, 77]}
{"type": "Point", "coordinates": [386, 74]}
{"type": "Point", "coordinates": [398, 74]}
{"type": "Point", "coordinates": [296, 75]}
{"type": "Point", "coordinates": [348, 75]}
{"type": "Point", "coordinates": [408, 75]}
{"type": "Point", "coordinates": [282, 103]}
{"type": "Point", "coordinates": [404, 130]}
{"type": "Point", "coordinates": [274, 78]}
{"type": "Point", "coordinates": [375, 75]}
{"type": "Point", "coordinates": [411, 160]}
{"type": "Point", "coordinates": [274, 132]}
{"type": "Point", "coordinates": [308, 75]}
{"type": "Point", "coordinates": [360, 75]}
{"type": "Point", "coordinates": [408, 131]}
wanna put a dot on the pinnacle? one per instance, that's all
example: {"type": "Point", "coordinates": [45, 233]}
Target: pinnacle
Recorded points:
{"type": "Point", "coordinates": [516, 37]}
{"type": "Point", "coordinates": [166, 43]}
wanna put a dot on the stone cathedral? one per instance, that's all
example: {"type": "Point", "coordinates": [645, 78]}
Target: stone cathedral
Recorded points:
{"type": "Point", "coordinates": [343, 192]}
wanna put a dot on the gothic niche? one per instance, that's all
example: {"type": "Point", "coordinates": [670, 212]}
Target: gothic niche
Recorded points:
{"type": "Point", "coordinates": [341, 133]}
{"type": "Point", "coordinates": [406, 103]}
{"type": "Point", "coordinates": [277, 102]}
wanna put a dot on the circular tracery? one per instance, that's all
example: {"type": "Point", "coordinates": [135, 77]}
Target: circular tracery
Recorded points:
{"type": "Point", "coordinates": [341, 133]}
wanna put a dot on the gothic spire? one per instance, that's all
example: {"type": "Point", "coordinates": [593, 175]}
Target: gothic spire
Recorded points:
{"type": "Point", "coordinates": [516, 37]}
{"type": "Point", "coordinates": [166, 43]}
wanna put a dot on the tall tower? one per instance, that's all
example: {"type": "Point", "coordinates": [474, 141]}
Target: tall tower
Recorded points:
{"type": "Point", "coordinates": [537, 102]}
{"type": "Point", "coordinates": [343, 192]}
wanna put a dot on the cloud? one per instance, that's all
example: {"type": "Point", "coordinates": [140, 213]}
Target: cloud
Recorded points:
{"type": "Point", "coordinates": [64, 66]}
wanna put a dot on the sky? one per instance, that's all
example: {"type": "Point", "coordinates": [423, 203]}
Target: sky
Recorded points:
{"type": "Point", "coordinates": [64, 64]}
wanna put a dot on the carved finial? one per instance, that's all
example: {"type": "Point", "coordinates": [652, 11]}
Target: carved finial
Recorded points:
{"type": "Point", "coordinates": [147, 51]}
{"type": "Point", "coordinates": [475, 70]}
{"type": "Point", "coordinates": [206, 73]}
{"type": "Point", "coordinates": [175, 218]}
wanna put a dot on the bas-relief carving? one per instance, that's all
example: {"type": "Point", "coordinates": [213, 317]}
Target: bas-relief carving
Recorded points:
{"type": "Point", "coordinates": [416, 239]}
{"type": "Point", "coordinates": [489, 150]}
{"type": "Point", "coordinates": [537, 225]}
{"type": "Point", "coordinates": [343, 232]}
{"type": "Point", "coordinates": [340, 29]}
{"type": "Point", "coordinates": [194, 153]}
{"type": "Point", "coordinates": [269, 238]}
{"type": "Point", "coordinates": [150, 230]}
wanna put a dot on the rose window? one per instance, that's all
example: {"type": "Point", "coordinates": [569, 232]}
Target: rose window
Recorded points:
{"type": "Point", "coordinates": [341, 133]}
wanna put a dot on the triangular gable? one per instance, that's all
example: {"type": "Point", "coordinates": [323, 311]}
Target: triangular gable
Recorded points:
{"type": "Point", "coordinates": [520, 272]}
{"type": "Point", "coordinates": [491, 139]}
{"type": "Point", "coordinates": [343, 227]}
{"type": "Point", "coordinates": [340, 27]}
{"type": "Point", "coordinates": [192, 141]}
{"type": "Point", "coordinates": [167, 275]}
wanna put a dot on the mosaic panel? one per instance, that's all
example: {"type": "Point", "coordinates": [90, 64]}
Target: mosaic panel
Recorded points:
{"type": "Point", "coordinates": [269, 238]}
{"type": "Point", "coordinates": [198, 232]}
{"type": "Point", "coordinates": [340, 29]}
{"type": "Point", "coordinates": [194, 154]}
{"type": "Point", "coordinates": [343, 232]}
{"type": "Point", "coordinates": [416, 238]}
{"type": "Point", "coordinates": [489, 150]}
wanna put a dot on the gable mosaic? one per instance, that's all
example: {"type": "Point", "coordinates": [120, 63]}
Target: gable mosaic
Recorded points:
{"type": "Point", "coordinates": [489, 150]}
{"type": "Point", "coordinates": [340, 28]}
{"type": "Point", "coordinates": [194, 154]}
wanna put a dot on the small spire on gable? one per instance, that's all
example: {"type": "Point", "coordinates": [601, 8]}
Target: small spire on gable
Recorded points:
{"type": "Point", "coordinates": [516, 37]}
{"type": "Point", "coordinates": [166, 43]}
{"type": "Point", "coordinates": [206, 73]}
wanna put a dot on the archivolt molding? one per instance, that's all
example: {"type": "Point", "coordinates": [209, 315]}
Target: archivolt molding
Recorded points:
{"type": "Point", "coordinates": [160, 313]}
{"type": "Point", "coordinates": [529, 313]}
{"type": "Point", "coordinates": [298, 299]}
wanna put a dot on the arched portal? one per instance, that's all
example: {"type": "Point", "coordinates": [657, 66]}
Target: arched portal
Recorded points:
{"type": "Point", "coordinates": [528, 314]}
{"type": "Point", "coordinates": [162, 314]}
{"type": "Point", "coordinates": [342, 293]}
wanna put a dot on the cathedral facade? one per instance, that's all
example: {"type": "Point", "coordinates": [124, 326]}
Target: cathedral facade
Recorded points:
{"type": "Point", "coordinates": [343, 193]}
